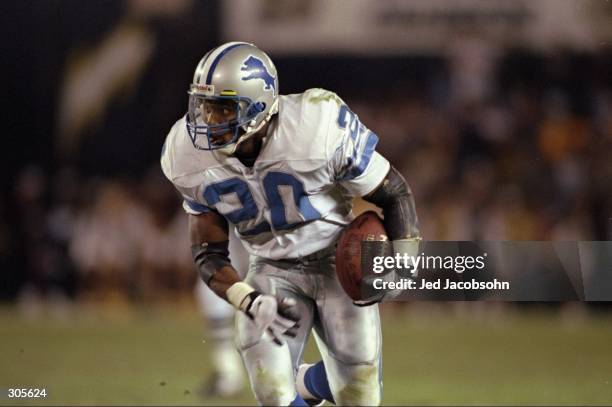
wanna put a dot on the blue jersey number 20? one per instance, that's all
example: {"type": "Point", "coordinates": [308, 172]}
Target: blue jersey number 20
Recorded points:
{"type": "Point", "coordinates": [248, 210]}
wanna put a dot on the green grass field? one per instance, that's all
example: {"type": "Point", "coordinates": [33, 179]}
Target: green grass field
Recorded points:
{"type": "Point", "coordinates": [432, 356]}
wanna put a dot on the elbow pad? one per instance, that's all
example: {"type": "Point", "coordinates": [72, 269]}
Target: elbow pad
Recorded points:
{"type": "Point", "coordinates": [395, 199]}
{"type": "Point", "coordinates": [210, 258]}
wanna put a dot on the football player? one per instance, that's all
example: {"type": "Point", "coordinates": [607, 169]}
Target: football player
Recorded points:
{"type": "Point", "coordinates": [282, 171]}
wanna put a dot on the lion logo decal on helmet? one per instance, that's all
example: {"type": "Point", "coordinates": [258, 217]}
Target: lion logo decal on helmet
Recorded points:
{"type": "Point", "coordinates": [256, 69]}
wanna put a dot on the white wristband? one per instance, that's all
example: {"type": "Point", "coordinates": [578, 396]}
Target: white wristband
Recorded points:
{"type": "Point", "coordinates": [237, 293]}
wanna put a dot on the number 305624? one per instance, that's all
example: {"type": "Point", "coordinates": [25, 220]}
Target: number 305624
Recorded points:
{"type": "Point", "coordinates": [27, 393]}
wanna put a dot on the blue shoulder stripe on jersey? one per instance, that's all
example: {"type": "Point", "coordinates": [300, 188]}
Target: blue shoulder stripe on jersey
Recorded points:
{"type": "Point", "coordinates": [217, 59]}
{"type": "Point", "coordinates": [364, 160]}
{"type": "Point", "coordinates": [197, 207]}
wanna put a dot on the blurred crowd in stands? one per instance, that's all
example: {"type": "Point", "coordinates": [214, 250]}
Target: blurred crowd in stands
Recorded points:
{"type": "Point", "coordinates": [523, 163]}
{"type": "Point", "coordinates": [512, 145]}
{"type": "Point", "coordinates": [527, 161]}
{"type": "Point", "coordinates": [98, 239]}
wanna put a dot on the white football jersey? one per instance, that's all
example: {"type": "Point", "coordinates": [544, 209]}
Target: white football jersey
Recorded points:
{"type": "Point", "coordinates": [297, 196]}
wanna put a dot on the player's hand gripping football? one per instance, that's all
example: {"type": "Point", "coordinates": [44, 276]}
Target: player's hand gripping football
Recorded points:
{"type": "Point", "coordinates": [354, 260]}
{"type": "Point", "coordinates": [408, 247]}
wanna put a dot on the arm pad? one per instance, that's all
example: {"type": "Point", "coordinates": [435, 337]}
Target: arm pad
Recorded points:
{"type": "Point", "coordinates": [210, 258]}
{"type": "Point", "coordinates": [395, 199]}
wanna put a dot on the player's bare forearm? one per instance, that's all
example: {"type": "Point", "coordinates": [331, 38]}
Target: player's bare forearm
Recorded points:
{"type": "Point", "coordinates": [222, 280]}
{"type": "Point", "coordinates": [209, 246]}
{"type": "Point", "coordinates": [208, 234]}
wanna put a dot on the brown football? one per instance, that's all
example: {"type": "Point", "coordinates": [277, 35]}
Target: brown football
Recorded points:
{"type": "Point", "coordinates": [349, 265]}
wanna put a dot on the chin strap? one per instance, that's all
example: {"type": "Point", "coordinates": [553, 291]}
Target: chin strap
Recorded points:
{"type": "Point", "coordinates": [250, 131]}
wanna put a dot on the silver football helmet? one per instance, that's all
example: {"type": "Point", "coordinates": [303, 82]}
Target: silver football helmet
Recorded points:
{"type": "Point", "coordinates": [233, 95]}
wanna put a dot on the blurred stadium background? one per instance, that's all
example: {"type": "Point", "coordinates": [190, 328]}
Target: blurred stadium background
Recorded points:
{"type": "Point", "coordinates": [499, 114]}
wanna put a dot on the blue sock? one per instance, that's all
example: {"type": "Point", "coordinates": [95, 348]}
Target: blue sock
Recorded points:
{"type": "Point", "coordinates": [316, 382]}
{"type": "Point", "coordinates": [298, 402]}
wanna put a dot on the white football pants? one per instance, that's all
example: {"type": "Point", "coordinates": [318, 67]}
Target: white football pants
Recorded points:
{"type": "Point", "coordinates": [348, 337]}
